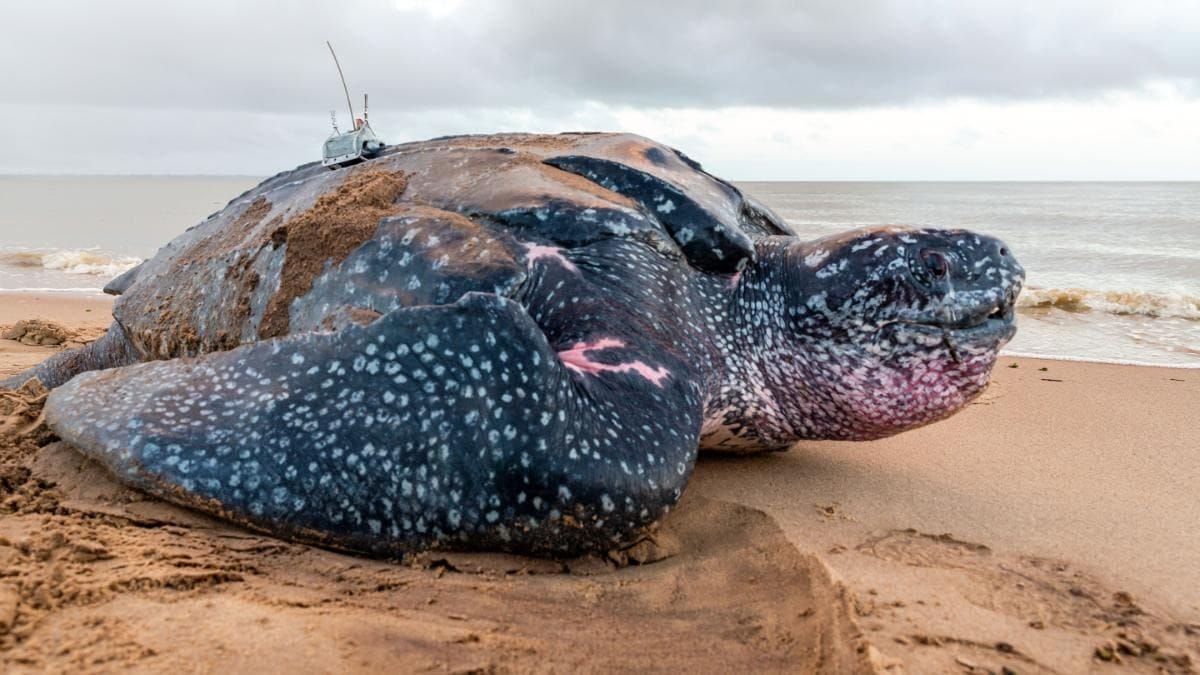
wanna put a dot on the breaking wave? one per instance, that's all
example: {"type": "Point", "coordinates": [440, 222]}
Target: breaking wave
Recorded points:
{"type": "Point", "coordinates": [71, 261]}
{"type": "Point", "coordinates": [1139, 303]}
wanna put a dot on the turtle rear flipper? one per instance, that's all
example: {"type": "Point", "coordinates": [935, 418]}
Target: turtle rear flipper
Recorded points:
{"type": "Point", "coordinates": [111, 350]}
{"type": "Point", "coordinates": [452, 426]}
{"type": "Point", "coordinates": [710, 243]}
{"type": "Point", "coordinates": [713, 223]}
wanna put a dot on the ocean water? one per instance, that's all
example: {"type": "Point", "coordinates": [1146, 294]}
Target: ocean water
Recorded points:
{"type": "Point", "coordinates": [1113, 268]}
{"type": "Point", "coordinates": [74, 233]}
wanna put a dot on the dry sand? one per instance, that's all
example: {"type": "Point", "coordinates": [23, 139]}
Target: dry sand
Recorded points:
{"type": "Point", "coordinates": [1070, 493]}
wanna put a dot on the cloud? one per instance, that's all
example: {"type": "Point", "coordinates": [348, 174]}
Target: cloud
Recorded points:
{"type": "Point", "coordinates": [772, 89]}
{"type": "Point", "coordinates": [548, 55]}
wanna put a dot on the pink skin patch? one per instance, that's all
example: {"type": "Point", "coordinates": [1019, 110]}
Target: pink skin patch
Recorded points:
{"type": "Point", "coordinates": [733, 280]}
{"type": "Point", "coordinates": [535, 252]}
{"type": "Point", "coordinates": [576, 359]}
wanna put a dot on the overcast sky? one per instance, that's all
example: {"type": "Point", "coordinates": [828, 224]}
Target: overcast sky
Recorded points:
{"type": "Point", "coordinates": [836, 90]}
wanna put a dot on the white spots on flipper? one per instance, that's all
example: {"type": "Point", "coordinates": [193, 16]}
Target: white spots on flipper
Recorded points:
{"type": "Point", "coordinates": [380, 443]}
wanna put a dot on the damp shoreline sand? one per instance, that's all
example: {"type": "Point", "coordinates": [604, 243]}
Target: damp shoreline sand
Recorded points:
{"type": "Point", "coordinates": [1049, 522]}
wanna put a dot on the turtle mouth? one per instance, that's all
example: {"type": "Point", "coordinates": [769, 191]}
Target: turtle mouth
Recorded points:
{"type": "Point", "coordinates": [979, 330]}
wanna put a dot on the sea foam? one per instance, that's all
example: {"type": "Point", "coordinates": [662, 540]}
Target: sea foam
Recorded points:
{"type": "Point", "coordinates": [1139, 303]}
{"type": "Point", "coordinates": [71, 261]}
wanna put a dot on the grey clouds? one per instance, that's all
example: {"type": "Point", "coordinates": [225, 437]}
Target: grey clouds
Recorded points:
{"type": "Point", "coordinates": [269, 56]}
{"type": "Point", "coordinates": [873, 89]}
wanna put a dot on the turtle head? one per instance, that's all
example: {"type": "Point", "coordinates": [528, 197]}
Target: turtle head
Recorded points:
{"type": "Point", "coordinates": [887, 329]}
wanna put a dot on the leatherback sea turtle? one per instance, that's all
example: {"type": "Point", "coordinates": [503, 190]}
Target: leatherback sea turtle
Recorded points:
{"type": "Point", "coordinates": [512, 342]}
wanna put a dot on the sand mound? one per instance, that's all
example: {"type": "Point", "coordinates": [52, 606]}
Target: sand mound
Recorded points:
{"type": "Point", "coordinates": [38, 332]}
{"type": "Point", "coordinates": [45, 333]}
{"type": "Point", "coordinates": [100, 577]}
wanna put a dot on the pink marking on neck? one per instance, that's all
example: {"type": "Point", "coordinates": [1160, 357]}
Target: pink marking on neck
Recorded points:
{"type": "Point", "coordinates": [577, 360]}
{"type": "Point", "coordinates": [535, 252]}
{"type": "Point", "coordinates": [733, 280]}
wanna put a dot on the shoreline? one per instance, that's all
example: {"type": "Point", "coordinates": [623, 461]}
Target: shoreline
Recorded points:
{"type": "Point", "coordinates": [1098, 361]}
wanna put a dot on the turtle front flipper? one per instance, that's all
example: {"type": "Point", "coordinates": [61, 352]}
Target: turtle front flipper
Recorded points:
{"type": "Point", "coordinates": [453, 426]}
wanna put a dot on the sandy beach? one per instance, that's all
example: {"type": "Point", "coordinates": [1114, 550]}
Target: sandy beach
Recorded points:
{"type": "Point", "coordinates": [1047, 528]}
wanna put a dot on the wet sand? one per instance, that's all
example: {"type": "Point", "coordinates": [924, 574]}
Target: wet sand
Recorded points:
{"type": "Point", "coordinates": [1048, 528]}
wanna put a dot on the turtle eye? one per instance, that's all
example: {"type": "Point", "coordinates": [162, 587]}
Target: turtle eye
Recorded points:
{"type": "Point", "coordinates": [936, 263]}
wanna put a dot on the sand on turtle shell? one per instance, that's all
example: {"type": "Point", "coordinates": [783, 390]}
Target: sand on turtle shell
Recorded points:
{"type": "Point", "coordinates": [179, 335]}
{"type": "Point", "coordinates": [323, 234]}
{"type": "Point", "coordinates": [337, 224]}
